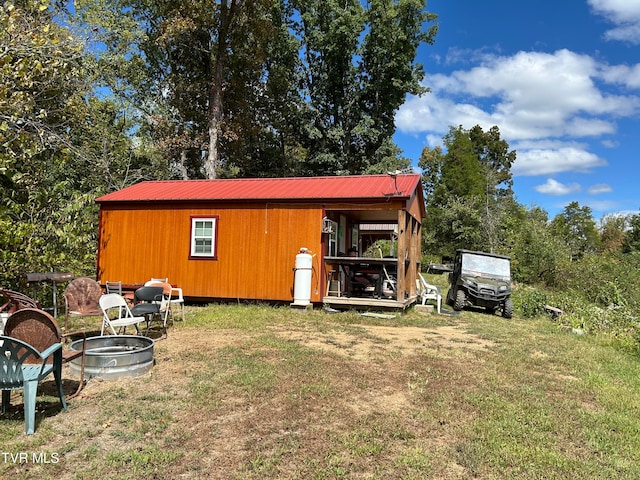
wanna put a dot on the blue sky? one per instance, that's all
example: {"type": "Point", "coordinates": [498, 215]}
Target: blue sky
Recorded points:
{"type": "Point", "coordinates": [561, 80]}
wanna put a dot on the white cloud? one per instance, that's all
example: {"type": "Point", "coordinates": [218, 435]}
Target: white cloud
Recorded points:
{"type": "Point", "coordinates": [553, 187]}
{"type": "Point", "coordinates": [599, 188]}
{"type": "Point", "coordinates": [532, 97]}
{"type": "Point", "coordinates": [602, 205]}
{"type": "Point", "coordinates": [626, 75]}
{"type": "Point", "coordinates": [528, 95]}
{"type": "Point", "coordinates": [623, 213]}
{"type": "Point", "coordinates": [434, 141]}
{"type": "Point", "coordinates": [549, 161]}
{"type": "Point", "coordinates": [610, 143]}
{"type": "Point", "coordinates": [624, 14]}
{"type": "Point", "coordinates": [431, 113]}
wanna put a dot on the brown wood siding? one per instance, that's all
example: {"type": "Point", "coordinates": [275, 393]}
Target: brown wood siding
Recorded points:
{"type": "Point", "coordinates": [415, 207]}
{"type": "Point", "coordinates": [256, 248]}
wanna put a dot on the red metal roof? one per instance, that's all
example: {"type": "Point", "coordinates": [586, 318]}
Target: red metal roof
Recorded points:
{"type": "Point", "coordinates": [293, 188]}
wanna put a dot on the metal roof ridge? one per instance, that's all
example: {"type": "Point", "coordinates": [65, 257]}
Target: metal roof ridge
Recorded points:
{"type": "Point", "coordinates": [320, 177]}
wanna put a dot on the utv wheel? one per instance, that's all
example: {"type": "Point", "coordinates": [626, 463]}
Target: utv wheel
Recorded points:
{"type": "Point", "coordinates": [460, 300]}
{"type": "Point", "coordinates": [507, 310]}
{"type": "Point", "coordinates": [449, 298]}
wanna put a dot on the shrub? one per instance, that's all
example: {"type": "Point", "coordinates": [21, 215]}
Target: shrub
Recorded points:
{"type": "Point", "coordinates": [529, 301]}
{"type": "Point", "coordinates": [605, 279]}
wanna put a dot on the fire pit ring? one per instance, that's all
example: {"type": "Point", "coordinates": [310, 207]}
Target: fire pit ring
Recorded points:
{"type": "Point", "coordinates": [114, 356]}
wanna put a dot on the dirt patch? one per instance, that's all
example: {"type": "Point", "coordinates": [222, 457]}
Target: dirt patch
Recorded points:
{"type": "Point", "coordinates": [366, 342]}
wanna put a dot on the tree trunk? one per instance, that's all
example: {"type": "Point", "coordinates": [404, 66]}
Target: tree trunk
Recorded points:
{"type": "Point", "coordinates": [183, 165]}
{"type": "Point", "coordinates": [212, 162]}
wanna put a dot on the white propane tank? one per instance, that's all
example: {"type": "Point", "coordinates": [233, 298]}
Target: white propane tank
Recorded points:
{"type": "Point", "coordinates": [302, 278]}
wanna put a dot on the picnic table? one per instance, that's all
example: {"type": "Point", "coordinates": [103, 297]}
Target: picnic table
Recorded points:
{"type": "Point", "coordinates": [55, 278]}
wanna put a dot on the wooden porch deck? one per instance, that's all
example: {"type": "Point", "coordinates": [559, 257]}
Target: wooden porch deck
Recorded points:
{"type": "Point", "coordinates": [367, 303]}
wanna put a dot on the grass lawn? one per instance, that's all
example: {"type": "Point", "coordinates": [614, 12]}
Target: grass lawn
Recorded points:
{"type": "Point", "coordinates": [244, 392]}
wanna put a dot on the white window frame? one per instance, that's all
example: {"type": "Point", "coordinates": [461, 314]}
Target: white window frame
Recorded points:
{"type": "Point", "coordinates": [211, 253]}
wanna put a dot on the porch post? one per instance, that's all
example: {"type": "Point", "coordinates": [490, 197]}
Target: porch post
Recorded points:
{"type": "Point", "coordinates": [403, 253]}
{"type": "Point", "coordinates": [414, 257]}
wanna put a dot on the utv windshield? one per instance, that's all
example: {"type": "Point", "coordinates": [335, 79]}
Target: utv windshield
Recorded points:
{"type": "Point", "coordinates": [485, 266]}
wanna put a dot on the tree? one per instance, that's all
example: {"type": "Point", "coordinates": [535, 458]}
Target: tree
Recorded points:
{"type": "Point", "coordinates": [357, 67]}
{"type": "Point", "coordinates": [41, 90]}
{"type": "Point", "coordinates": [41, 98]}
{"type": "Point", "coordinates": [631, 242]}
{"type": "Point", "coordinates": [183, 64]}
{"type": "Point", "coordinates": [59, 146]}
{"type": "Point", "coordinates": [576, 226]}
{"type": "Point", "coordinates": [537, 255]}
{"type": "Point", "coordinates": [612, 232]}
{"type": "Point", "coordinates": [454, 224]}
{"type": "Point", "coordinates": [496, 160]}
{"type": "Point", "coordinates": [269, 86]}
{"type": "Point", "coordinates": [431, 162]}
{"type": "Point", "coordinates": [395, 31]}
{"type": "Point", "coordinates": [474, 172]}
{"type": "Point", "coordinates": [462, 173]}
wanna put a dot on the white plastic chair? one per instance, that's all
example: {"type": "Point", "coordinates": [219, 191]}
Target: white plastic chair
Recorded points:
{"type": "Point", "coordinates": [429, 292]}
{"type": "Point", "coordinates": [177, 298]}
{"type": "Point", "coordinates": [165, 302]}
{"type": "Point", "coordinates": [113, 303]}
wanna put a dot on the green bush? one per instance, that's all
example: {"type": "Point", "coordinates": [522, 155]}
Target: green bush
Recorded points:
{"type": "Point", "coordinates": [567, 301]}
{"type": "Point", "coordinates": [529, 302]}
{"type": "Point", "coordinates": [605, 279]}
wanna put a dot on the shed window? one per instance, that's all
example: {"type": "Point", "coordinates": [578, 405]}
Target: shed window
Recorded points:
{"type": "Point", "coordinates": [203, 237]}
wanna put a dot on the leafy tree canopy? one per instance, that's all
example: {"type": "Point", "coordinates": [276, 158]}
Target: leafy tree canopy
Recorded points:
{"type": "Point", "coordinates": [271, 87]}
{"type": "Point", "coordinates": [60, 146]}
{"type": "Point", "coordinates": [631, 241]}
{"type": "Point", "coordinates": [577, 228]}
{"type": "Point", "coordinates": [471, 177]}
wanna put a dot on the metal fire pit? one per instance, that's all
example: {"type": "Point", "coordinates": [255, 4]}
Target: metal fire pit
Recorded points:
{"type": "Point", "coordinates": [115, 356]}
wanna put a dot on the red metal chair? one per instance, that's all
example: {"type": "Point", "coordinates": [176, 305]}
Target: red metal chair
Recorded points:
{"type": "Point", "coordinates": [41, 331]}
{"type": "Point", "coordinates": [16, 301]}
{"type": "Point", "coordinates": [81, 299]}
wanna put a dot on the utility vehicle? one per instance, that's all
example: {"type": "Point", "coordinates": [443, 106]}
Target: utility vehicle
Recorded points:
{"type": "Point", "coordinates": [481, 279]}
